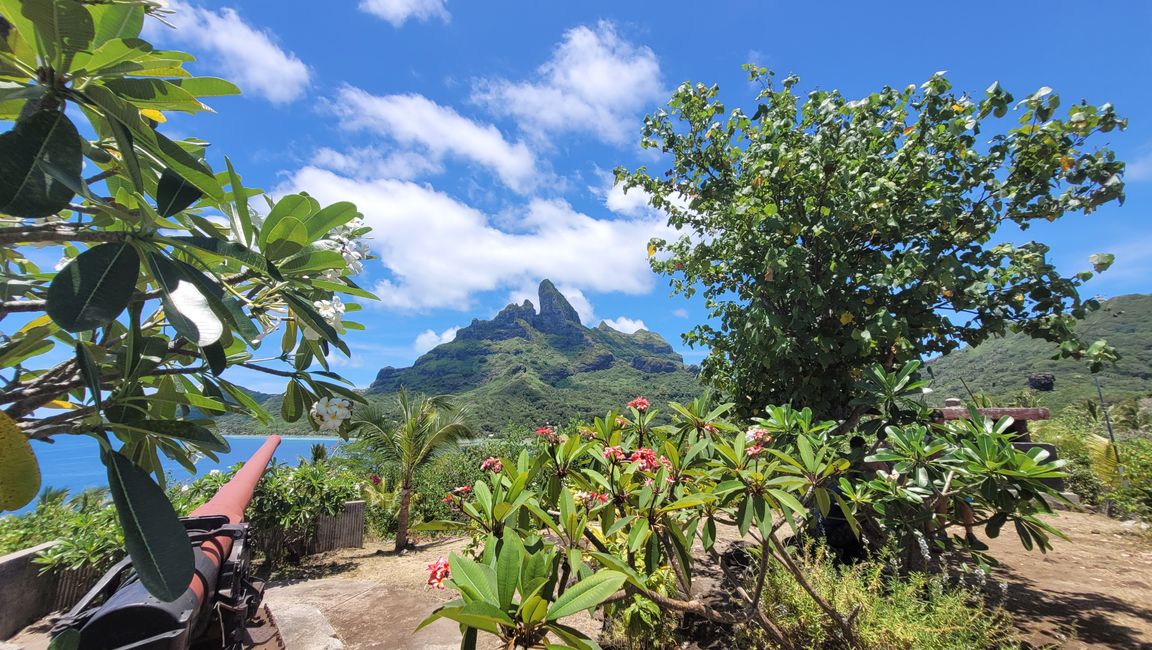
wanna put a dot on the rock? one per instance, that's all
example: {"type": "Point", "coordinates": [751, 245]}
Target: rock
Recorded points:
{"type": "Point", "coordinates": [654, 365]}
{"type": "Point", "coordinates": [557, 315]}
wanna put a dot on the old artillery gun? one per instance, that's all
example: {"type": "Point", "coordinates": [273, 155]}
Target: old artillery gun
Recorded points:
{"type": "Point", "coordinates": [216, 609]}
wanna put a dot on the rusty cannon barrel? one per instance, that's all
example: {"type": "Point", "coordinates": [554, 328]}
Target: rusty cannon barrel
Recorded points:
{"type": "Point", "coordinates": [220, 599]}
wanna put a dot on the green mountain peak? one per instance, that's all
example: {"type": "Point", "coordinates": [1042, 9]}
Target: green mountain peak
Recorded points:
{"type": "Point", "coordinates": [525, 366]}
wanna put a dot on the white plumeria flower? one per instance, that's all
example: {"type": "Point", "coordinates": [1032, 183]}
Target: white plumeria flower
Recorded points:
{"type": "Point", "coordinates": [332, 311]}
{"type": "Point", "coordinates": [330, 412]}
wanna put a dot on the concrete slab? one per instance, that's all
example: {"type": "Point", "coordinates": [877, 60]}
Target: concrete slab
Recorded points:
{"type": "Point", "coordinates": [305, 627]}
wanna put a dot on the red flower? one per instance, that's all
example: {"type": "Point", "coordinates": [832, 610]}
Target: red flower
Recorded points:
{"type": "Point", "coordinates": [492, 463]}
{"type": "Point", "coordinates": [375, 478]}
{"type": "Point", "coordinates": [547, 434]}
{"type": "Point", "coordinates": [463, 489]}
{"type": "Point", "coordinates": [647, 459]}
{"type": "Point", "coordinates": [438, 572]}
{"type": "Point", "coordinates": [640, 404]}
{"type": "Point", "coordinates": [614, 454]}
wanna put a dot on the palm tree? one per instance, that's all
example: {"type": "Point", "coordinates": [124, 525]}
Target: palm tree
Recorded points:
{"type": "Point", "coordinates": [425, 426]}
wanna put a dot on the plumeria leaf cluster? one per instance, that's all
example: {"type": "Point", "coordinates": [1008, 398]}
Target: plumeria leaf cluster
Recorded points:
{"type": "Point", "coordinates": [627, 509]}
{"type": "Point", "coordinates": [172, 271]}
{"type": "Point", "coordinates": [827, 234]}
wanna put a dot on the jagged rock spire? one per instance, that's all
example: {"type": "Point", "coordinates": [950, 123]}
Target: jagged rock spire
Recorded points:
{"type": "Point", "coordinates": [556, 313]}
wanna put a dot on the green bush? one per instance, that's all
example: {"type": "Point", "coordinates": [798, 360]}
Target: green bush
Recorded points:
{"type": "Point", "coordinates": [917, 610]}
{"type": "Point", "coordinates": [85, 526]}
{"type": "Point", "coordinates": [1134, 498]}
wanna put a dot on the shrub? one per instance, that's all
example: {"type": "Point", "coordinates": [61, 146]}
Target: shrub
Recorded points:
{"type": "Point", "coordinates": [620, 515]}
{"type": "Point", "coordinates": [895, 612]}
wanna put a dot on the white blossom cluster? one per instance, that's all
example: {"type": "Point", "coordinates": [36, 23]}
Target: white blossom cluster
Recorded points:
{"type": "Point", "coordinates": [352, 249]}
{"type": "Point", "coordinates": [330, 412]}
{"type": "Point", "coordinates": [332, 311]}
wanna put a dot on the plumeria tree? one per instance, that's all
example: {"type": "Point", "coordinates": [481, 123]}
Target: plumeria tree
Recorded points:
{"type": "Point", "coordinates": [827, 234]}
{"type": "Point", "coordinates": [172, 272]}
{"type": "Point", "coordinates": [594, 518]}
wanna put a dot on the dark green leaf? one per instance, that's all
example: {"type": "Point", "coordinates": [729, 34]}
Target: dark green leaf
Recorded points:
{"type": "Point", "coordinates": [154, 537]}
{"type": "Point", "coordinates": [94, 288]}
{"type": "Point", "coordinates": [26, 189]}
{"type": "Point", "coordinates": [174, 194]}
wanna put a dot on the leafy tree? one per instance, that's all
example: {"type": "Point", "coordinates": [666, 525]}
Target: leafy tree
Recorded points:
{"type": "Point", "coordinates": [169, 278]}
{"type": "Point", "coordinates": [424, 426]}
{"type": "Point", "coordinates": [827, 235]}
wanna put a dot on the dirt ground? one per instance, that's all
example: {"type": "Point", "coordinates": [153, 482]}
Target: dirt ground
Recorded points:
{"type": "Point", "coordinates": [1092, 591]}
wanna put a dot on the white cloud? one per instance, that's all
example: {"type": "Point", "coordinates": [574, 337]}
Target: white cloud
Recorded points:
{"type": "Point", "coordinates": [429, 339]}
{"type": "Point", "coordinates": [439, 252]}
{"type": "Point", "coordinates": [595, 82]}
{"type": "Point", "coordinates": [366, 162]}
{"type": "Point", "coordinates": [680, 313]}
{"type": "Point", "coordinates": [246, 55]}
{"type": "Point", "coordinates": [440, 130]}
{"type": "Point", "coordinates": [633, 203]}
{"type": "Point", "coordinates": [398, 12]}
{"type": "Point", "coordinates": [625, 324]}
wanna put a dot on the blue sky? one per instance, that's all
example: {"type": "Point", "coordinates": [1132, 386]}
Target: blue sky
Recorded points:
{"type": "Point", "coordinates": [477, 137]}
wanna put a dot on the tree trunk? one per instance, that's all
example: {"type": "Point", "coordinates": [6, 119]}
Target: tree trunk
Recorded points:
{"type": "Point", "coordinates": [402, 519]}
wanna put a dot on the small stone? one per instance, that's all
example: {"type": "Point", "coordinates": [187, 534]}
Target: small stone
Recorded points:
{"type": "Point", "coordinates": [1095, 531]}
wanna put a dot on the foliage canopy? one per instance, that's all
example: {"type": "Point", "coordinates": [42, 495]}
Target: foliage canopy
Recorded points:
{"type": "Point", "coordinates": [827, 235]}
{"type": "Point", "coordinates": [170, 275]}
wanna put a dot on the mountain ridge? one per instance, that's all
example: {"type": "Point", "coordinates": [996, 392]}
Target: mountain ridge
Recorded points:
{"type": "Point", "coordinates": [1000, 367]}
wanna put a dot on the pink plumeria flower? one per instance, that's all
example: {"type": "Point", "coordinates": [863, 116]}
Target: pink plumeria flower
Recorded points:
{"type": "Point", "coordinates": [754, 450]}
{"type": "Point", "coordinates": [614, 454]}
{"type": "Point", "coordinates": [438, 572]}
{"type": "Point", "coordinates": [492, 464]}
{"type": "Point", "coordinates": [646, 458]}
{"type": "Point", "coordinates": [640, 404]}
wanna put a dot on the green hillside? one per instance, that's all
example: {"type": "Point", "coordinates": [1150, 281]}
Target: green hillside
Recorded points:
{"type": "Point", "coordinates": [1000, 367]}
{"type": "Point", "coordinates": [524, 368]}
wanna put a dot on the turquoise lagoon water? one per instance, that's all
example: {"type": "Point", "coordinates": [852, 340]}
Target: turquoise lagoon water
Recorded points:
{"type": "Point", "coordinates": [73, 462]}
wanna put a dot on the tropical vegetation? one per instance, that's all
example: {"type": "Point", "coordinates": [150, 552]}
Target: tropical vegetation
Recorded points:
{"type": "Point", "coordinates": [828, 234]}
{"type": "Point", "coordinates": [426, 426]}
{"type": "Point", "coordinates": [170, 273]}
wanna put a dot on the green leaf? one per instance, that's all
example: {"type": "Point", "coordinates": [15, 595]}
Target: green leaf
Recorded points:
{"type": "Point", "coordinates": [293, 205]}
{"type": "Point", "coordinates": [116, 21]}
{"type": "Point", "coordinates": [155, 539]}
{"type": "Point", "coordinates": [89, 372]}
{"type": "Point", "coordinates": [206, 86]}
{"type": "Point", "coordinates": [292, 405]}
{"type": "Point", "coordinates": [26, 188]}
{"type": "Point", "coordinates": [155, 94]}
{"type": "Point", "coordinates": [235, 251]}
{"type": "Point", "coordinates": [1101, 261]}
{"type": "Point", "coordinates": [477, 577]}
{"type": "Point", "coordinates": [586, 594]}
{"type": "Point", "coordinates": [216, 357]}
{"type": "Point", "coordinates": [19, 471]}
{"type": "Point", "coordinates": [333, 216]}
{"type": "Point", "coordinates": [185, 306]}
{"type": "Point", "coordinates": [508, 567]}
{"type": "Point", "coordinates": [288, 237]}
{"type": "Point", "coordinates": [242, 221]}
{"type": "Point", "coordinates": [63, 28]}
{"type": "Point", "coordinates": [185, 430]}
{"type": "Point", "coordinates": [174, 194]}
{"type": "Point", "coordinates": [481, 615]}
{"type": "Point", "coordinates": [94, 288]}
